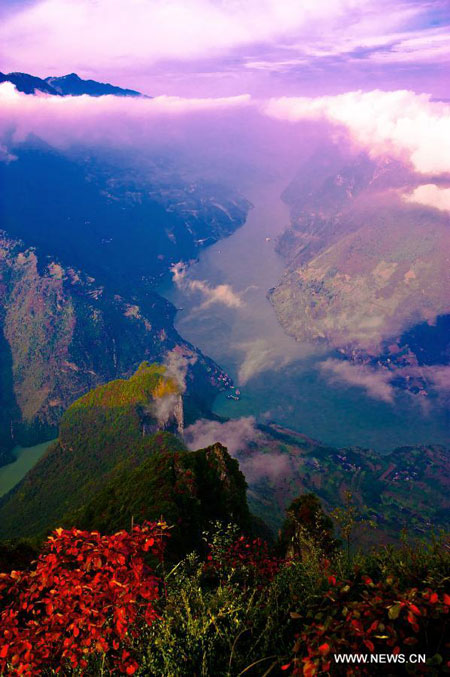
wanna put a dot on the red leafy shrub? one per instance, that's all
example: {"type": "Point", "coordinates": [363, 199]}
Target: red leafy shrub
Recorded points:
{"type": "Point", "coordinates": [87, 598]}
{"type": "Point", "coordinates": [361, 617]}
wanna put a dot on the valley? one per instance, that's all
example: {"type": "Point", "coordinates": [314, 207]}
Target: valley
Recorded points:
{"type": "Point", "coordinates": [318, 299]}
{"type": "Point", "coordinates": [294, 383]}
{"type": "Point", "coordinates": [405, 490]}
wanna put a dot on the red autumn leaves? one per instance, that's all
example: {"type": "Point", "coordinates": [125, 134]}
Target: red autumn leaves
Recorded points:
{"type": "Point", "coordinates": [361, 616]}
{"type": "Point", "coordinates": [88, 598]}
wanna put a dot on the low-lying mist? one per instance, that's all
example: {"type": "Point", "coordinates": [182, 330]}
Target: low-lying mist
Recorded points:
{"type": "Point", "coordinates": [237, 436]}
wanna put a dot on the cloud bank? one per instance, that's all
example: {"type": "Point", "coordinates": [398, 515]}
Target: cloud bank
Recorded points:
{"type": "Point", "coordinates": [63, 121]}
{"type": "Point", "coordinates": [402, 123]}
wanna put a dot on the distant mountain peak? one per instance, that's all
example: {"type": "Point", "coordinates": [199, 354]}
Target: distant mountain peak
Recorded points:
{"type": "Point", "coordinates": [72, 85]}
{"type": "Point", "coordinates": [69, 76]}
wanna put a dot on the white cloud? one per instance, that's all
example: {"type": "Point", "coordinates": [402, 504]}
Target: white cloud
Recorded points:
{"type": "Point", "coordinates": [118, 37]}
{"type": "Point", "coordinates": [399, 122]}
{"type": "Point", "coordinates": [264, 354]}
{"type": "Point", "coordinates": [375, 40]}
{"type": "Point", "coordinates": [234, 435]}
{"type": "Point", "coordinates": [259, 356]}
{"type": "Point", "coordinates": [271, 466]}
{"type": "Point", "coordinates": [430, 195]}
{"type": "Point", "coordinates": [375, 382]}
{"type": "Point", "coordinates": [270, 352]}
{"type": "Point", "coordinates": [430, 46]}
{"type": "Point", "coordinates": [221, 293]}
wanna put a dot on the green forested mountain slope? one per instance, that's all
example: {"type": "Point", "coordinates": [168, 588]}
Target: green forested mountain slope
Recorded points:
{"type": "Point", "coordinates": [117, 458]}
{"type": "Point", "coordinates": [98, 432]}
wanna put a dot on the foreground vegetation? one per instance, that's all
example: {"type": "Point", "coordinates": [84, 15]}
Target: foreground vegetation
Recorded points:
{"type": "Point", "coordinates": [92, 604]}
{"type": "Point", "coordinates": [168, 573]}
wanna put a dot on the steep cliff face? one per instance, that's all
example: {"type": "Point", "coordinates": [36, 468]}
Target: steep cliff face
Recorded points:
{"type": "Point", "coordinates": [166, 414]}
{"type": "Point", "coordinates": [9, 411]}
{"type": "Point", "coordinates": [104, 468]}
{"type": "Point", "coordinates": [119, 218]}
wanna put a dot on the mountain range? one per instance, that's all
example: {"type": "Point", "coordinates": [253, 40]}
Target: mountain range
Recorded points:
{"type": "Point", "coordinates": [65, 85]}
{"type": "Point", "coordinates": [87, 238]}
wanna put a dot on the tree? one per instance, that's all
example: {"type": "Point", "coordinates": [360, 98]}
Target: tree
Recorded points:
{"type": "Point", "coordinates": [306, 526]}
{"type": "Point", "coordinates": [349, 518]}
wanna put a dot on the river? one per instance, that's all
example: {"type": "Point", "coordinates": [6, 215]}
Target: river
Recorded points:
{"type": "Point", "coordinates": [225, 312]}
{"type": "Point", "coordinates": [25, 459]}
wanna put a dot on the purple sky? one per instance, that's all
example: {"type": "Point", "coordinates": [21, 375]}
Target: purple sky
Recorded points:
{"type": "Point", "coordinates": [228, 47]}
